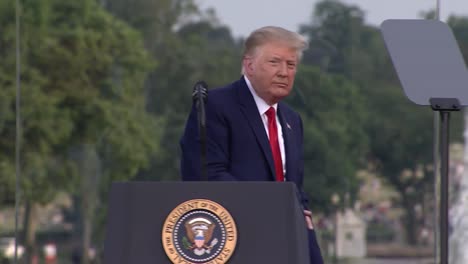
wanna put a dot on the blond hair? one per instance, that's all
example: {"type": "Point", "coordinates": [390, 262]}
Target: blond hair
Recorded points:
{"type": "Point", "coordinates": [272, 34]}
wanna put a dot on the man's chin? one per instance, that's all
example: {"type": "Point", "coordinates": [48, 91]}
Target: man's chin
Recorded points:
{"type": "Point", "coordinates": [282, 92]}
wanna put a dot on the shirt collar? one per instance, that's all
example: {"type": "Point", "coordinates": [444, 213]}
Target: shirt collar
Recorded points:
{"type": "Point", "coordinates": [262, 106]}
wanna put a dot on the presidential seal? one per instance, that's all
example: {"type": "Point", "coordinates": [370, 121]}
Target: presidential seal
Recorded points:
{"type": "Point", "coordinates": [199, 231]}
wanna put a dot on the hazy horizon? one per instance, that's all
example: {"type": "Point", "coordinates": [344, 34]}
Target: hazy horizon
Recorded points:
{"type": "Point", "coordinates": [242, 16]}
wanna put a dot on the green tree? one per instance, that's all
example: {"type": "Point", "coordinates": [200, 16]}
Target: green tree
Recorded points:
{"type": "Point", "coordinates": [204, 51]}
{"type": "Point", "coordinates": [401, 137]}
{"type": "Point", "coordinates": [82, 78]}
{"type": "Point", "coordinates": [190, 45]}
{"type": "Point", "coordinates": [335, 141]}
{"type": "Point", "coordinates": [400, 134]}
{"type": "Point", "coordinates": [7, 98]}
{"type": "Point", "coordinates": [459, 26]}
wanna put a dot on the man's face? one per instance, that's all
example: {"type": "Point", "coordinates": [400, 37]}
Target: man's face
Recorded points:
{"type": "Point", "coordinates": [271, 70]}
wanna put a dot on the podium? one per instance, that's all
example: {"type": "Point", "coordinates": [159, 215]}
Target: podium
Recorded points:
{"type": "Point", "coordinates": [153, 222]}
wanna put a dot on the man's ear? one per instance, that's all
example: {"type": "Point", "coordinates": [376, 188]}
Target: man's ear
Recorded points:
{"type": "Point", "coordinates": [248, 64]}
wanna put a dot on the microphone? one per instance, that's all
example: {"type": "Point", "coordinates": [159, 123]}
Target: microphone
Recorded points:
{"type": "Point", "coordinates": [199, 96]}
{"type": "Point", "coordinates": [200, 93]}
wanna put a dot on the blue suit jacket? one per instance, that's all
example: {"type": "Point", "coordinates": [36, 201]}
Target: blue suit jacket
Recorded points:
{"type": "Point", "coordinates": [237, 144]}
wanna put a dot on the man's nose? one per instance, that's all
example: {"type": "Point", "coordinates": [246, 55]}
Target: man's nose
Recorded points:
{"type": "Point", "coordinates": [283, 69]}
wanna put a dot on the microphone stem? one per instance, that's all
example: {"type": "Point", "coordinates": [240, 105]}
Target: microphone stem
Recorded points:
{"type": "Point", "coordinates": [202, 131]}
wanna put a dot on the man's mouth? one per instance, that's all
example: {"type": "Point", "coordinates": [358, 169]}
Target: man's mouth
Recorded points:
{"type": "Point", "coordinates": [282, 85]}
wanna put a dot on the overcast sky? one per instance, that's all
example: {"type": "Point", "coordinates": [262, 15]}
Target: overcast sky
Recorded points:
{"type": "Point", "coordinates": [243, 16]}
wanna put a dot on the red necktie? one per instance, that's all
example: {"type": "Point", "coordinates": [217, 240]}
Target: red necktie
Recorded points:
{"type": "Point", "coordinates": [274, 144]}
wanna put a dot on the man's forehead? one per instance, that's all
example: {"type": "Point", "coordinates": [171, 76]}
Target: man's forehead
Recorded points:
{"type": "Point", "coordinates": [290, 55]}
{"type": "Point", "coordinates": [271, 50]}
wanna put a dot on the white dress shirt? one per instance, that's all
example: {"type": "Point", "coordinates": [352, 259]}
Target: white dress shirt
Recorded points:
{"type": "Point", "coordinates": [262, 107]}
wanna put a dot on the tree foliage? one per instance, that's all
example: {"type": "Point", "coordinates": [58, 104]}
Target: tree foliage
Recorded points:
{"type": "Point", "coordinates": [82, 76]}
{"type": "Point", "coordinates": [399, 134]}
{"type": "Point", "coordinates": [189, 45]}
{"type": "Point", "coordinates": [335, 140]}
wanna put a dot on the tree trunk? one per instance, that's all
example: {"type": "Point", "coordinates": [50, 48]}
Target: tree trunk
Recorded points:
{"type": "Point", "coordinates": [86, 238]}
{"type": "Point", "coordinates": [87, 220]}
{"type": "Point", "coordinates": [410, 223]}
{"type": "Point", "coordinates": [89, 167]}
{"type": "Point", "coordinates": [29, 232]}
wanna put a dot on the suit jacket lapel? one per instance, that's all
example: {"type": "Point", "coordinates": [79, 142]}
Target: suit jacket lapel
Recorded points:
{"type": "Point", "coordinates": [288, 144]}
{"type": "Point", "coordinates": [250, 111]}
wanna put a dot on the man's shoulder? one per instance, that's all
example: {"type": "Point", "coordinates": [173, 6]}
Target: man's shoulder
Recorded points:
{"type": "Point", "coordinates": [225, 94]}
{"type": "Point", "coordinates": [224, 90]}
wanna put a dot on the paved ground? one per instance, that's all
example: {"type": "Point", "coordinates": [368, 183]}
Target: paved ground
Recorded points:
{"type": "Point", "coordinates": [392, 261]}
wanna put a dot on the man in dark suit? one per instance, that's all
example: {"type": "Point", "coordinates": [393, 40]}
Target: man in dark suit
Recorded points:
{"type": "Point", "coordinates": [251, 134]}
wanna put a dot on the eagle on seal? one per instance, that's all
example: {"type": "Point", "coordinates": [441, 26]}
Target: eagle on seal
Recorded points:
{"type": "Point", "coordinates": [199, 232]}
